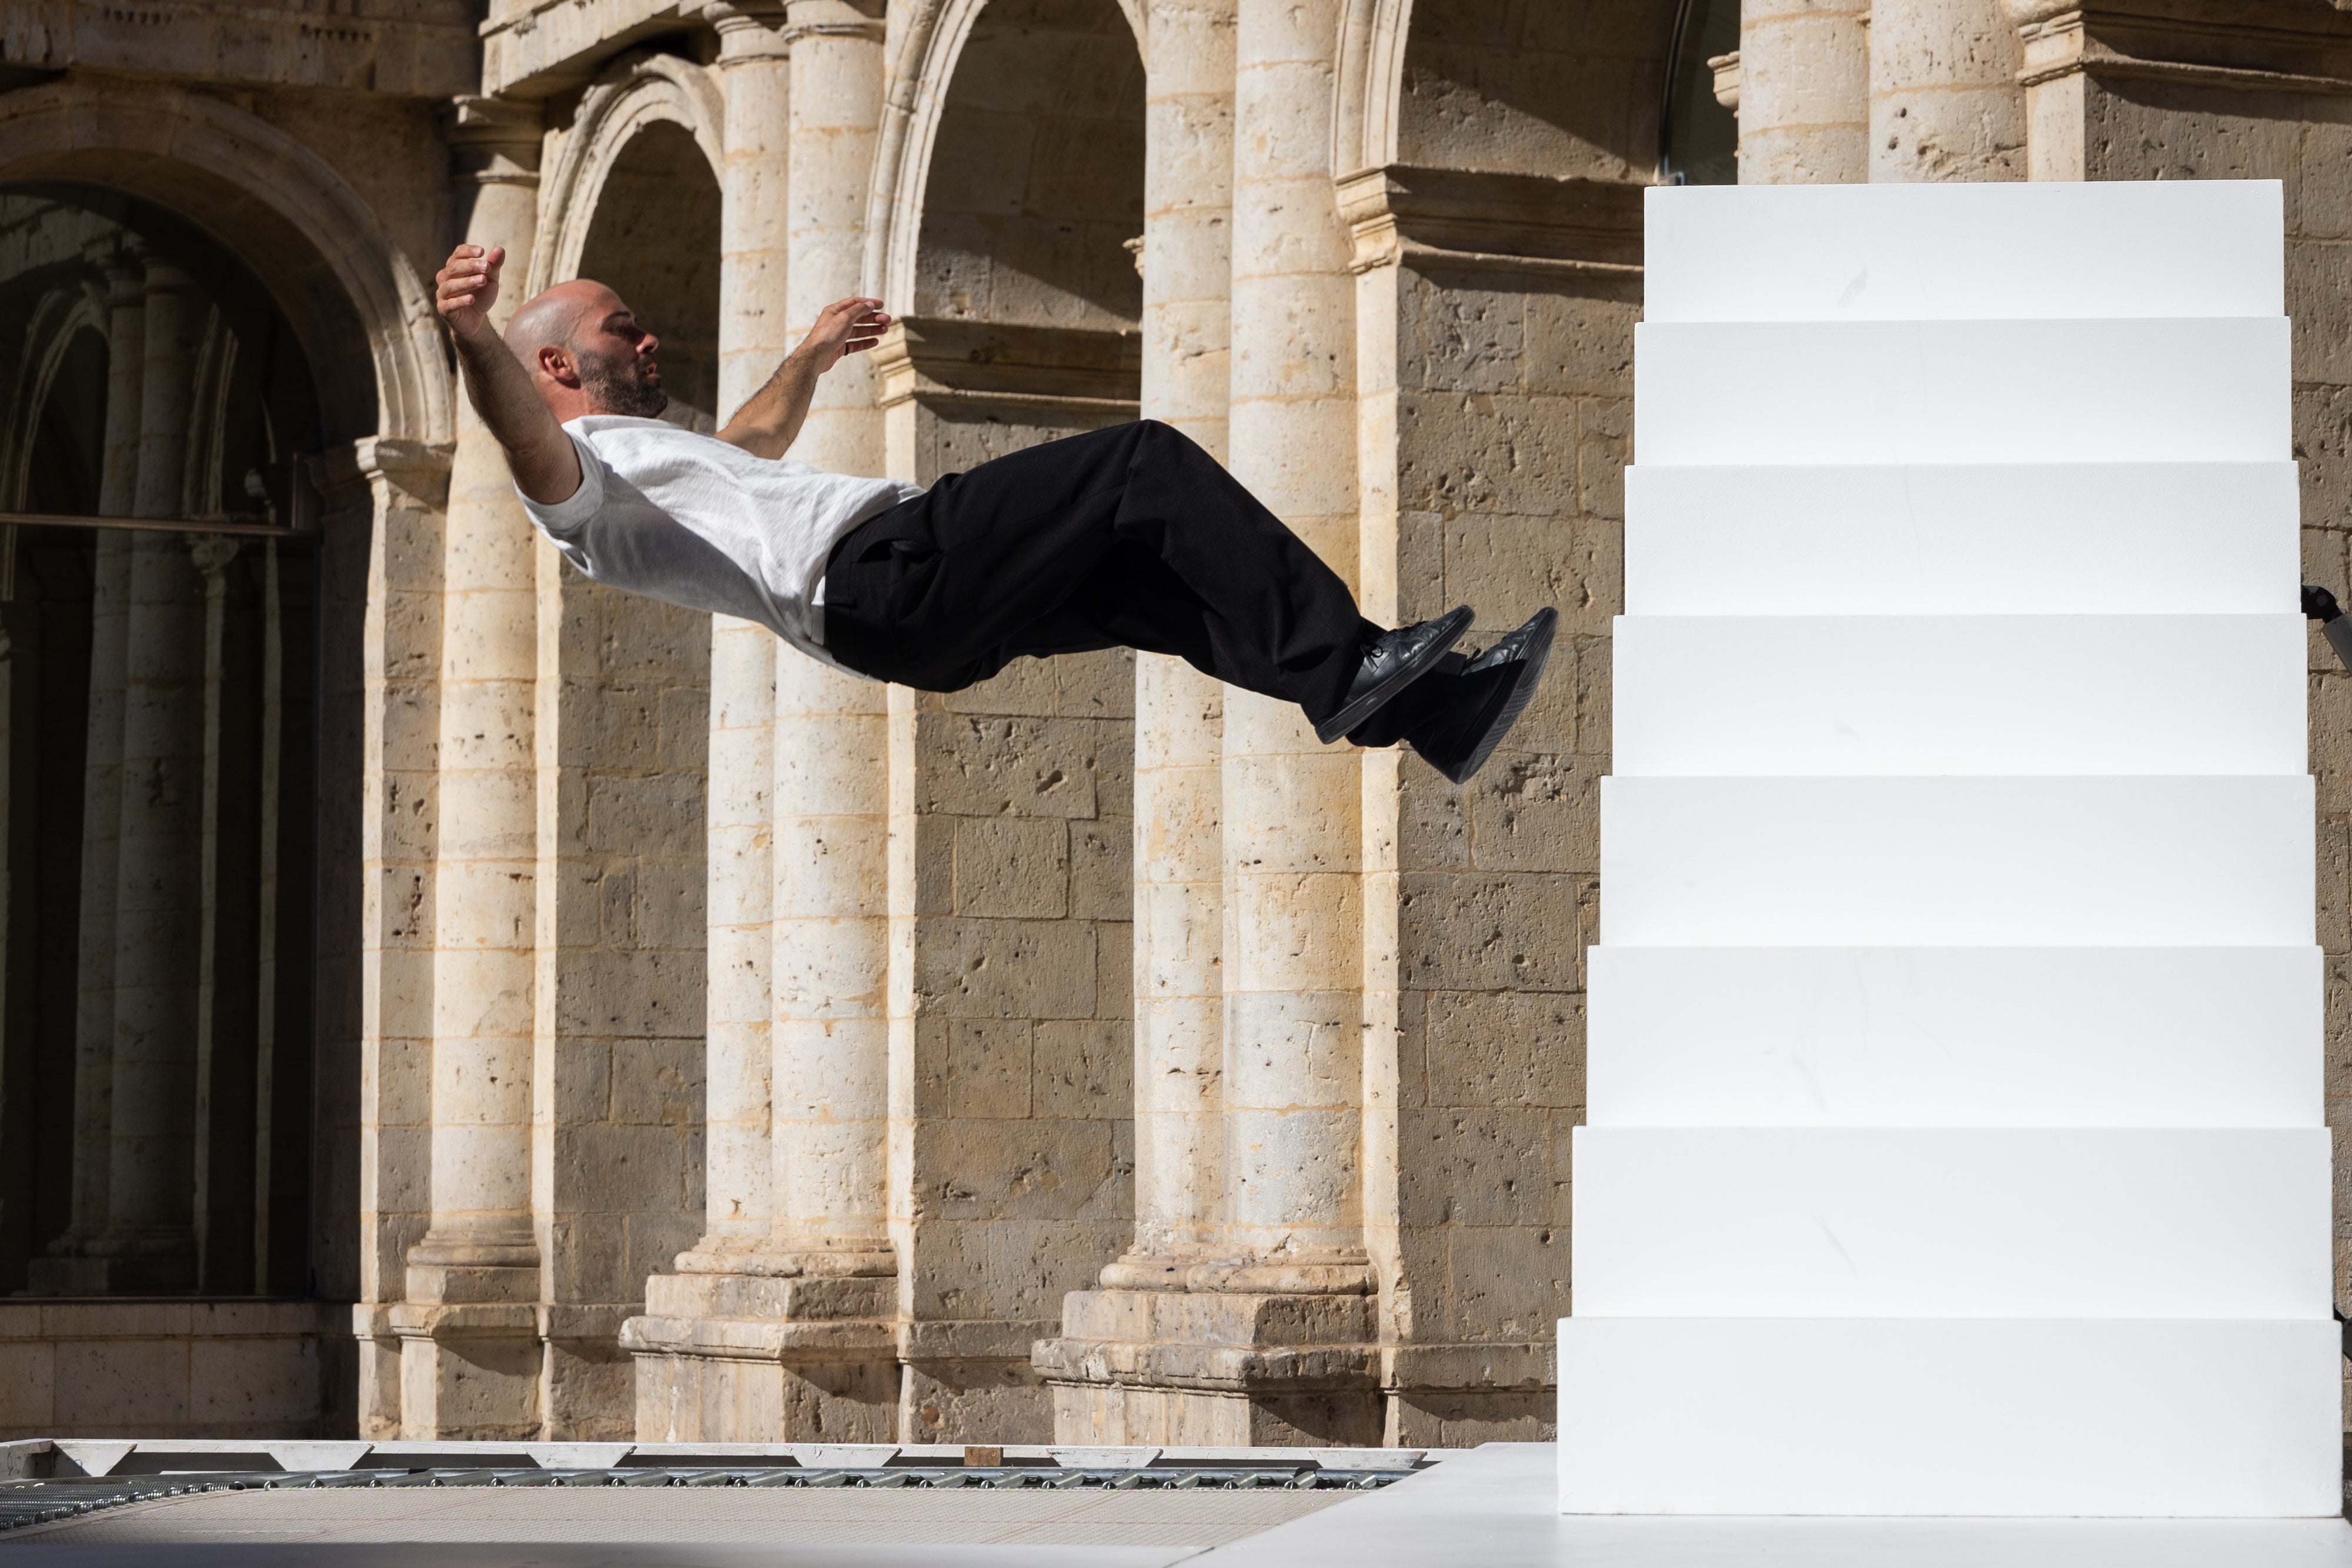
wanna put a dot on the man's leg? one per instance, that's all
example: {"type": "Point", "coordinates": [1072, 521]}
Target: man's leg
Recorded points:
{"type": "Point", "coordinates": [1127, 536]}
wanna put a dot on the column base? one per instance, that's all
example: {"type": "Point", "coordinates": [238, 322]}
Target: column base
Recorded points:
{"type": "Point", "coordinates": [1215, 1368]}
{"type": "Point", "coordinates": [468, 1371]}
{"type": "Point", "coordinates": [755, 1358]}
{"type": "Point", "coordinates": [589, 1395]}
{"type": "Point", "coordinates": [378, 1374]}
{"type": "Point", "coordinates": [972, 1381]}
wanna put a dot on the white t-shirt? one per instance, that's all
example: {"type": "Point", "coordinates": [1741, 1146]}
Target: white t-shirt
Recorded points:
{"type": "Point", "coordinates": [689, 519]}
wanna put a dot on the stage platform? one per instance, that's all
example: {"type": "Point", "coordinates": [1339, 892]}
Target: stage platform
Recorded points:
{"type": "Point", "coordinates": [1495, 1506]}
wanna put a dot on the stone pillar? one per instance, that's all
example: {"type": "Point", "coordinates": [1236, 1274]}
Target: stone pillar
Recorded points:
{"type": "Point", "coordinates": [1945, 103]}
{"type": "Point", "coordinates": [776, 1324]}
{"type": "Point", "coordinates": [1293, 915]}
{"type": "Point", "coordinates": [223, 1105]}
{"type": "Point", "coordinates": [829, 1023]}
{"type": "Point", "coordinates": [836, 115]}
{"type": "Point", "coordinates": [1179, 712]}
{"type": "Point", "coordinates": [1268, 1342]}
{"type": "Point", "coordinates": [60, 1273]}
{"type": "Point", "coordinates": [1804, 92]}
{"type": "Point", "coordinates": [148, 1241]}
{"type": "Point", "coordinates": [471, 1361]}
{"type": "Point", "coordinates": [1178, 890]}
{"type": "Point", "coordinates": [382, 505]}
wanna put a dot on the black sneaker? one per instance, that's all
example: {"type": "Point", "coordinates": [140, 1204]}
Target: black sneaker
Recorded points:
{"type": "Point", "coordinates": [1394, 661]}
{"type": "Point", "coordinates": [1497, 685]}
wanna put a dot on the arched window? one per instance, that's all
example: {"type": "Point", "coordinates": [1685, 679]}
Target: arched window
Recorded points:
{"type": "Point", "coordinates": [158, 711]}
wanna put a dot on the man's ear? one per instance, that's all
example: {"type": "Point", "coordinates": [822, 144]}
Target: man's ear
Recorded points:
{"type": "Point", "coordinates": [557, 365]}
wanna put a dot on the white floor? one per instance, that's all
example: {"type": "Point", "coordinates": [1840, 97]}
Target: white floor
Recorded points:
{"type": "Point", "coordinates": [1495, 1506]}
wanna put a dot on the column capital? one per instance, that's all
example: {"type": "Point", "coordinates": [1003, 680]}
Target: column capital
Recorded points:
{"type": "Point", "coordinates": [162, 274]}
{"type": "Point", "coordinates": [2287, 52]}
{"type": "Point", "coordinates": [410, 473]}
{"type": "Point", "coordinates": [493, 141]}
{"type": "Point", "coordinates": [212, 552]}
{"type": "Point", "coordinates": [834, 18]}
{"type": "Point", "coordinates": [122, 258]}
{"type": "Point", "coordinates": [750, 32]}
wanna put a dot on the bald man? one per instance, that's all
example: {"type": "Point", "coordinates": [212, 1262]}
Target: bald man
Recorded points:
{"type": "Point", "coordinates": [1127, 537]}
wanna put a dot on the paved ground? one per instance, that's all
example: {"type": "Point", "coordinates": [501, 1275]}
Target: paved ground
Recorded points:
{"type": "Point", "coordinates": [667, 1526]}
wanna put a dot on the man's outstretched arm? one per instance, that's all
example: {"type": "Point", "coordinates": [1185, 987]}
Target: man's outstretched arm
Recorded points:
{"type": "Point", "coordinates": [545, 465]}
{"type": "Point", "coordinates": [768, 425]}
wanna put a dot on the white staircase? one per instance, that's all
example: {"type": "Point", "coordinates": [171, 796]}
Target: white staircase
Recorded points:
{"type": "Point", "coordinates": [1954, 1138]}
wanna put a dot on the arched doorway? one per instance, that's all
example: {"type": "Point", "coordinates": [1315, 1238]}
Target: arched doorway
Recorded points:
{"type": "Point", "coordinates": [160, 719]}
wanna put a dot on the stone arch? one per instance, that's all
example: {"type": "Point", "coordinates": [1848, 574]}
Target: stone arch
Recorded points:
{"type": "Point", "coordinates": [61, 314]}
{"type": "Point", "coordinates": [635, 93]}
{"type": "Point", "coordinates": [1034, 190]}
{"type": "Point", "coordinates": [1571, 89]}
{"type": "Point", "coordinates": [923, 72]}
{"type": "Point", "coordinates": [362, 313]}
{"type": "Point", "coordinates": [1373, 34]}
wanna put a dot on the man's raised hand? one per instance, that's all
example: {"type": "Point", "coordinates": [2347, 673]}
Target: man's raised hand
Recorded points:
{"type": "Point", "coordinates": [465, 289]}
{"type": "Point", "coordinates": [844, 327]}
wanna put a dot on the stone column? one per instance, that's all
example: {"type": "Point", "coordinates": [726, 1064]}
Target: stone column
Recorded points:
{"type": "Point", "coordinates": [836, 115]}
{"type": "Point", "coordinates": [60, 1273]}
{"type": "Point", "coordinates": [698, 1374]}
{"type": "Point", "coordinates": [776, 1324]}
{"type": "Point", "coordinates": [1945, 103]}
{"type": "Point", "coordinates": [148, 1242]}
{"type": "Point", "coordinates": [1197, 1364]}
{"type": "Point", "coordinates": [382, 507]}
{"type": "Point", "coordinates": [1179, 877]}
{"type": "Point", "coordinates": [470, 1358]}
{"type": "Point", "coordinates": [1179, 712]}
{"type": "Point", "coordinates": [830, 1025]}
{"type": "Point", "coordinates": [1804, 92]}
{"type": "Point", "coordinates": [1293, 956]}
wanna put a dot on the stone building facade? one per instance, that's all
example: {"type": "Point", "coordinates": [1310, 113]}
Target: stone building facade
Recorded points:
{"type": "Point", "coordinates": [656, 1033]}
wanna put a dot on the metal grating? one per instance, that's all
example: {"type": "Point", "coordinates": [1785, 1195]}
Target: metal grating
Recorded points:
{"type": "Point", "coordinates": [749, 1505]}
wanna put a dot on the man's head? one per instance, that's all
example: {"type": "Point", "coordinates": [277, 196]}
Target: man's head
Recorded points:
{"type": "Point", "coordinates": [585, 353]}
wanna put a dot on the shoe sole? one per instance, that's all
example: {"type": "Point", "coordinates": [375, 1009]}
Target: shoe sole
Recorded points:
{"type": "Point", "coordinates": [1522, 692]}
{"type": "Point", "coordinates": [1371, 702]}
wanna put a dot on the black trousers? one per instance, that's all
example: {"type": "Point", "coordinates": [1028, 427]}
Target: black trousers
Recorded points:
{"type": "Point", "coordinates": [1129, 536]}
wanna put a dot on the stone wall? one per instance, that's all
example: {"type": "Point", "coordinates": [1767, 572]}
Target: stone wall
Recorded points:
{"type": "Point", "coordinates": [176, 1369]}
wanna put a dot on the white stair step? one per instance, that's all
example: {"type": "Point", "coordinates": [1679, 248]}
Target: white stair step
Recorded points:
{"type": "Point", "coordinates": [2082, 862]}
{"type": "Point", "coordinates": [1963, 392]}
{"type": "Point", "coordinates": [1957, 1417]}
{"type": "Point", "coordinates": [1806, 1222]}
{"type": "Point", "coordinates": [1954, 1037]}
{"type": "Point", "coordinates": [1871, 694]}
{"type": "Point", "coordinates": [1832, 252]}
{"type": "Point", "coordinates": [2051, 538]}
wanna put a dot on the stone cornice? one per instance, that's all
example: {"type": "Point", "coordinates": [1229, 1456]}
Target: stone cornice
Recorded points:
{"type": "Point", "coordinates": [493, 140]}
{"type": "Point", "coordinates": [427, 51]}
{"type": "Point", "coordinates": [537, 48]}
{"type": "Point", "coordinates": [413, 472]}
{"type": "Point", "coordinates": [945, 361]}
{"type": "Point", "coordinates": [1463, 220]}
{"type": "Point", "coordinates": [2255, 48]}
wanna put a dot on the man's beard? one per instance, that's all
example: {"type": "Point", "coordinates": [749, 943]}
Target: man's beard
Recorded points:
{"type": "Point", "coordinates": [617, 383]}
